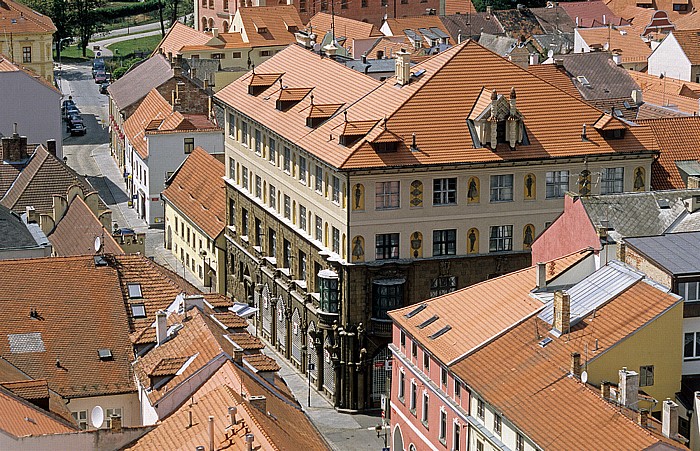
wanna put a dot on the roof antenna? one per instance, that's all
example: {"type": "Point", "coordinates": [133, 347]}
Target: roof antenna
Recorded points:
{"type": "Point", "coordinates": [253, 69]}
{"type": "Point", "coordinates": [414, 135]}
{"type": "Point", "coordinates": [312, 100]}
{"type": "Point", "coordinates": [345, 114]}
{"type": "Point", "coordinates": [281, 86]}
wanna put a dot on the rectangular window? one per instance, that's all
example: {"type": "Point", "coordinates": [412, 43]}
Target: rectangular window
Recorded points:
{"type": "Point", "coordinates": [245, 177]}
{"type": "Point", "coordinates": [690, 291]}
{"type": "Point", "coordinates": [680, 7]}
{"type": "Point", "coordinates": [502, 188]}
{"type": "Point", "coordinates": [272, 243]}
{"type": "Point", "coordinates": [189, 145]}
{"type": "Point", "coordinates": [403, 339]}
{"type": "Point", "coordinates": [244, 222]}
{"type": "Point", "coordinates": [443, 377]}
{"type": "Point", "coordinates": [258, 142]}
{"type": "Point", "coordinates": [443, 426]}
{"type": "Point", "coordinates": [273, 197]}
{"type": "Point", "coordinates": [479, 445]}
{"type": "Point", "coordinates": [497, 423]}
{"type": "Point", "coordinates": [458, 389]}
{"type": "Point", "coordinates": [232, 169]}
{"type": "Point", "coordinates": [272, 151]}
{"type": "Point", "coordinates": [287, 160]}
{"type": "Point", "coordinates": [519, 443]}
{"type": "Point", "coordinates": [412, 400]}
{"type": "Point", "coordinates": [80, 418]}
{"type": "Point", "coordinates": [445, 191]}
{"type": "Point", "coordinates": [26, 54]}
{"type": "Point", "coordinates": [424, 413]}
{"type": "Point", "coordinates": [387, 195]}
{"type": "Point", "coordinates": [443, 285]}
{"type": "Point", "coordinates": [455, 437]}
{"type": "Point", "coordinates": [287, 207]}
{"type": "Point", "coordinates": [426, 362]}
{"type": "Point", "coordinates": [302, 170]}
{"type": "Point", "coordinates": [287, 254]}
{"type": "Point", "coordinates": [444, 242]}
{"type": "Point", "coordinates": [557, 184]}
{"type": "Point", "coordinates": [387, 246]}
{"type": "Point", "coordinates": [236, 55]}
{"type": "Point", "coordinates": [231, 125]}
{"type": "Point", "coordinates": [480, 409]}
{"type": "Point", "coordinates": [336, 190]}
{"type": "Point", "coordinates": [265, 53]}
{"type": "Point", "coordinates": [414, 350]}
{"type": "Point", "coordinates": [612, 180]}
{"type": "Point", "coordinates": [258, 187]}
{"type": "Point", "coordinates": [302, 265]}
{"type": "Point", "coordinates": [302, 217]}
{"type": "Point", "coordinates": [258, 232]}
{"type": "Point", "coordinates": [217, 56]}
{"type": "Point", "coordinates": [336, 240]}
{"type": "Point", "coordinates": [364, 3]}
{"type": "Point", "coordinates": [501, 238]}
{"type": "Point", "coordinates": [302, 6]}
{"type": "Point", "coordinates": [244, 133]}
{"type": "Point", "coordinates": [319, 229]}
{"type": "Point", "coordinates": [646, 375]}
{"type": "Point", "coordinates": [319, 179]}
{"type": "Point", "coordinates": [117, 411]}
{"type": "Point", "coordinates": [402, 385]}
{"type": "Point", "coordinates": [386, 296]}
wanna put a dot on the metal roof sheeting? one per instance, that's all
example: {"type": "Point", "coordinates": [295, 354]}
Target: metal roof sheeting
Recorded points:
{"type": "Point", "coordinates": [676, 252]}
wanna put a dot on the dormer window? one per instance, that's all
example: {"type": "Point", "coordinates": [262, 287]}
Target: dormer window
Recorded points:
{"type": "Point", "coordinates": [614, 134]}
{"type": "Point", "coordinates": [496, 120]}
{"type": "Point", "coordinates": [105, 354]}
{"type": "Point", "coordinates": [135, 290]}
{"type": "Point", "coordinates": [290, 97]}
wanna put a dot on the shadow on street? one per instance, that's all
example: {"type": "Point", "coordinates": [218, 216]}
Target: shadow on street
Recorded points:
{"type": "Point", "coordinates": [110, 193]}
{"type": "Point", "coordinates": [95, 133]}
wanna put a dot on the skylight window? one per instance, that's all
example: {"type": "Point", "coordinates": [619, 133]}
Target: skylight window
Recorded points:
{"type": "Point", "coordinates": [440, 332]}
{"type": "Point", "coordinates": [416, 311]}
{"type": "Point", "coordinates": [135, 290]}
{"type": "Point", "coordinates": [105, 354]}
{"type": "Point", "coordinates": [428, 321]}
{"type": "Point", "coordinates": [138, 311]}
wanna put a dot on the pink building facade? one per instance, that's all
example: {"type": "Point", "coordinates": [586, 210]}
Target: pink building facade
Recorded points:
{"type": "Point", "coordinates": [429, 406]}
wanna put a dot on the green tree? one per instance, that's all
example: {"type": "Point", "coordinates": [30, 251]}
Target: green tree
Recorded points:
{"type": "Point", "coordinates": [60, 13]}
{"type": "Point", "coordinates": [87, 20]}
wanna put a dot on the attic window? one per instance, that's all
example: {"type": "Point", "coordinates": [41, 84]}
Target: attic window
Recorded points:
{"type": "Point", "coordinates": [290, 97]}
{"type": "Point", "coordinates": [105, 354]}
{"type": "Point", "coordinates": [618, 133]}
{"type": "Point", "coordinates": [584, 81]}
{"type": "Point", "coordinates": [428, 321]}
{"type": "Point", "coordinates": [385, 147]}
{"type": "Point", "coordinates": [416, 311]}
{"type": "Point", "coordinates": [260, 82]}
{"type": "Point", "coordinates": [100, 261]}
{"type": "Point", "coordinates": [138, 310]}
{"type": "Point", "coordinates": [135, 290]}
{"type": "Point", "coordinates": [320, 113]}
{"type": "Point", "coordinates": [262, 30]}
{"type": "Point", "coordinates": [440, 332]}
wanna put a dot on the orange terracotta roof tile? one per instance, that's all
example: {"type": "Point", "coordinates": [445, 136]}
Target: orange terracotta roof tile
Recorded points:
{"type": "Point", "coordinates": [622, 40]}
{"type": "Point", "coordinates": [553, 131]}
{"type": "Point", "coordinates": [323, 110]}
{"type": "Point", "coordinates": [28, 389]}
{"type": "Point", "coordinates": [293, 94]}
{"type": "Point", "coordinates": [179, 36]}
{"type": "Point", "coordinates": [526, 396]}
{"type": "Point", "coordinates": [276, 25]}
{"type": "Point", "coordinates": [217, 300]}
{"type": "Point", "coordinates": [678, 139]}
{"type": "Point", "coordinates": [556, 77]}
{"type": "Point", "coordinates": [345, 27]}
{"type": "Point", "coordinates": [666, 92]}
{"type": "Point", "coordinates": [18, 19]}
{"type": "Point", "coordinates": [198, 192]}
{"type": "Point", "coordinates": [690, 21]}
{"type": "Point", "coordinates": [608, 122]}
{"type": "Point", "coordinates": [591, 13]}
{"type": "Point", "coordinates": [230, 320]}
{"type": "Point", "coordinates": [167, 366]}
{"type": "Point", "coordinates": [78, 313]}
{"type": "Point", "coordinates": [75, 233]}
{"type": "Point", "coordinates": [261, 362]}
{"type": "Point", "coordinates": [19, 418]}
{"type": "Point", "coordinates": [264, 79]}
{"type": "Point", "coordinates": [246, 341]}
{"type": "Point", "coordinates": [488, 316]}
{"type": "Point", "coordinates": [459, 7]}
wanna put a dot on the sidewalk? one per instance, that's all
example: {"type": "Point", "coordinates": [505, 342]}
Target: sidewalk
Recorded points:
{"type": "Point", "coordinates": [344, 432]}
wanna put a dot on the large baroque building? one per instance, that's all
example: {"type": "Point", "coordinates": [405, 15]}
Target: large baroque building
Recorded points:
{"type": "Point", "coordinates": [349, 197]}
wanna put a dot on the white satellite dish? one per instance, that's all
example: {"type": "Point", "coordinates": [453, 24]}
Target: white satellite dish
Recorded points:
{"type": "Point", "coordinates": [98, 244]}
{"type": "Point", "coordinates": [550, 53]}
{"type": "Point", "coordinates": [584, 377]}
{"type": "Point", "coordinates": [97, 417]}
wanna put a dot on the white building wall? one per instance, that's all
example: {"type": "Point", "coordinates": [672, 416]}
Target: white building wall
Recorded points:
{"type": "Point", "coordinates": [128, 402]}
{"type": "Point", "coordinates": [691, 366]}
{"type": "Point", "coordinates": [35, 108]}
{"type": "Point", "coordinates": [670, 60]}
{"type": "Point", "coordinates": [580, 45]}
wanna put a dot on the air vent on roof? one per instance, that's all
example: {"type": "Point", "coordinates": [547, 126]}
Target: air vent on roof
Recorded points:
{"type": "Point", "coordinates": [100, 261]}
{"type": "Point", "coordinates": [105, 354]}
{"type": "Point", "coordinates": [663, 203]}
{"type": "Point", "coordinates": [428, 321]}
{"type": "Point", "coordinates": [440, 332]}
{"type": "Point", "coordinates": [416, 311]}
{"type": "Point", "coordinates": [419, 73]}
{"type": "Point", "coordinates": [545, 342]}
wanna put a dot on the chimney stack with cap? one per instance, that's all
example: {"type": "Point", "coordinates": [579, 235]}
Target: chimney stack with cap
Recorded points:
{"type": "Point", "coordinates": [541, 275]}
{"type": "Point", "coordinates": [629, 388]}
{"type": "Point", "coordinates": [669, 419]}
{"type": "Point", "coordinates": [562, 311]}
{"type": "Point", "coordinates": [249, 439]}
{"type": "Point", "coordinates": [13, 148]}
{"type": "Point", "coordinates": [211, 434]}
{"type": "Point", "coordinates": [605, 390]}
{"type": "Point", "coordinates": [161, 327]}
{"type": "Point", "coordinates": [403, 67]}
{"type": "Point", "coordinates": [51, 146]}
{"type": "Point", "coordinates": [576, 364]}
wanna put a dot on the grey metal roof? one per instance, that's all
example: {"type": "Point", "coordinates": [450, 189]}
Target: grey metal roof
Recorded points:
{"type": "Point", "coordinates": [23, 343]}
{"type": "Point", "coordinates": [594, 291]}
{"type": "Point", "coordinates": [138, 82]}
{"type": "Point", "coordinates": [690, 167]}
{"type": "Point", "coordinates": [639, 214]}
{"type": "Point", "coordinates": [607, 80]}
{"type": "Point", "coordinates": [14, 233]}
{"type": "Point", "coordinates": [677, 252]}
{"type": "Point", "coordinates": [500, 45]}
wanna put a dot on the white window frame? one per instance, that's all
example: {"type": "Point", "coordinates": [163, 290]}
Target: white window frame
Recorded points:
{"type": "Point", "coordinates": [302, 169]}
{"type": "Point", "coordinates": [387, 195]}
{"type": "Point", "coordinates": [302, 217]}
{"type": "Point", "coordinates": [425, 408]}
{"type": "Point", "coordinates": [402, 386]}
{"type": "Point", "coordinates": [336, 190]}
{"type": "Point", "coordinates": [445, 191]}
{"type": "Point", "coordinates": [503, 240]}
{"type": "Point", "coordinates": [690, 291]}
{"type": "Point", "coordinates": [412, 397]}
{"type": "Point", "coordinates": [502, 188]}
{"type": "Point", "coordinates": [612, 180]}
{"type": "Point", "coordinates": [557, 184]}
{"type": "Point", "coordinates": [319, 179]}
{"type": "Point", "coordinates": [442, 428]}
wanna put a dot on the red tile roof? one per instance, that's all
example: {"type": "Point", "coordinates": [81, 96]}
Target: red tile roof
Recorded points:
{"type": "Point", "coordinates": [266, 26]}
{"type": "Point", "coordinates": [623, 40]}
{"type": "Point", "coordinates": [76, 232]}
{"type": "Point", "coordinates": [459, 7]}
{"type": "Point", "coordinates": [179, 36]}
{"type": "Point", "coordinates": [590, 13]}
{"type": "Point", "coordinates": [18, 19]}
{"type": "Point", "coordinates": [261, 362]}
{"type": "Point", "coordinates": [667, 92]}
{"type": "Point", "coordinates": [19, 418]}
{"type": "Point", "coordinates": [198, 192]}
{"type": "Point", "coordinates": [140, 80]}
{"type": "Point", "coordinates": [539, 396]}
{"type": "Point", "coordinates": [80, 311]}
{"type": "Point", "coordinates": [231, 320]}
{"type": "Point", "coordinates": [689, 40]}
{"type": "Point", "coordinates": [345, 27]}
{"type": "Point", "coordinates": [554, 131]}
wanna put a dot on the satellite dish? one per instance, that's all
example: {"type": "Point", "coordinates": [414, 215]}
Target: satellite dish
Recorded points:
{"type": "Point", "coordinates": [550, 53]}
{"type": "Point", "coordinates": [98, 244]}
{"type": "Point", "coordinates": [584, 377]}
{"type": "Point", "coordinates": [97, 417]}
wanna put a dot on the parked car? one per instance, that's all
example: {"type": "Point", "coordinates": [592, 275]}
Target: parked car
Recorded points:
{"type": "Point", "coordinates": [103, 87]}
{"type": "Point", "coordinates": [100, 76]}
{"type": "Point", "coordinates": [66, 103]}
{"type": "Point", "coordinates": [76, 127]}
{"type": "Point", "coordinates": [98, 64]}
{"type": "Point", "coordinates": [70, 111]}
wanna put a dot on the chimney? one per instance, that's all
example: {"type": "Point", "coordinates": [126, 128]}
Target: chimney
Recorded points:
{"type": "Point", "coordinates": [32, 215]}
{"type": "Point", "coordinates": [259, 402]}
{"type": "Point", "coordinates": [494, 127]}
{"type": "Point", "coordinates": [534, 59]}
{"type": "Point", "coordinates": [629, 388]}
{"type": "Point", "coordinates": [621, 251]}
{"type": "Point", "coordinates": [161, 326]}
{"type": "Point", "coordinates": [605, 390]}
{"type": "Point", "coordinates": [617, 59]}
{"type": "Point", "coordinates": [562, 311]}
{"type": "Point", "coordinates": [170, 57]}
{"type": "Point", "coordinates": [211, 433]}
{"type": "Point", "coordinates": [232, 411]}
{"type": "Point", "coordinates": [558, 62]}
{"type": "Point", "coordinates": [59, 207]}
{"type": "Point", "coordinates": [643, 418]}
{"type": "Point", "coordinates": [116, 423]}
{"type": "Point", "coordinates": [488, 12]}
{"type": "Point", "coordinates": [576, 364]}
{"type": "Point", "coordinates": [403, 67]}
{"type": "Point", "coordinates": [249, 439]}
{"type": "Point", "coordinates": [14, 148]}
{"type": "Point", "coordinates": [637, 96]}
{"type": "Point", "coordinates": [51, 146]}
{"type": "Point", "coordinates": [692, 204]}
{"type": "Point", "coordinates": [669, 419]}
{"type": "Point", "coordinates": [215, 32]}
{"type": "Point", "coordinates": [541, 275]}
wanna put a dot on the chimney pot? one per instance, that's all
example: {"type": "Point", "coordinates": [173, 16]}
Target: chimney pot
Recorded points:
{"type": "Point", "coordinates": [629, 388]}
{"type": "Point", "coordinates": [161, 326]}
{"type": "Point", "coordinates": [541, 275]}
{"type": "Point", "coordinates": [232, 413]}
{"type": "Point", "coordinates": [562, 311]}
{"type": "Point", "coordinates": [576, 364]}
{"type": "Point", "coordinates": [211, 433]}
{"type": "Point", "coordinates": [249, 439]}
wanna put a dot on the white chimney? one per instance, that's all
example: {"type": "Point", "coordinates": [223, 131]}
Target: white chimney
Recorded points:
{"type": "Point", "coordinates": [617, 59]}
{"type": "Point", "coordinates": [637, 96]}
{"type": "Point", "coordinates": [403, 67]}
{"type": "Point", "coordinates": [541, 275]}
{"type": "Point", "coordinates": [161, 326]}
{"type": "Point", "coordinates": [692, 204]}
{"type": "Point", "coordinates": [534, 59]}
{"type": "Point", "coordinates": [669, 419]}
{"type": "Point", "coordinates": [211, 433]}
{"type": "Point", "coordinates": [249, 438]}
{"type": "Point", "coordinates": [215, 32]}
{"type": "Point", "coordinates": [629, 388]}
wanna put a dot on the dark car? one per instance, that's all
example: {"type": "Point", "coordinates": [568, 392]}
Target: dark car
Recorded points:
{"type": "Point", "coordinates": [71, 110]}
{"type": "Point", "coordinates": [103, 87]}
{"type": "Point", "coordinates": [98, 64]}
{"type": "Point", "coordinates": [100, 76]}
{"type": "Point", "coordinates": [76, 127]}
{"type": "Point", "coordinates": [66, 104]}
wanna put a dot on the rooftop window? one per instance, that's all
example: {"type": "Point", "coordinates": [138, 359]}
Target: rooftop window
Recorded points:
{"type": "Point", "coordinates": [138, 311]}
{"type": "Point", "coordinates": [135, 290]}
{"type": "Point", "coordinates": [105, 354]}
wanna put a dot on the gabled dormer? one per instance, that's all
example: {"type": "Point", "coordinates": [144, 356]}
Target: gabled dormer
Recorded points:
{"type": "Point", "coordinates": [291, 96]}
{"type": "Point", "coordinates": [496, 120]}
{"type": "Point", "coordinates": [260, 82]}
{"type": "Point", "coordinates": [610, 127]}
{"type": "Point", "coordinates": [386, 141]}
{"type": "Point", "coordinates": [353, 131]}
{"type": "Point", "coordinates": [320, 112]}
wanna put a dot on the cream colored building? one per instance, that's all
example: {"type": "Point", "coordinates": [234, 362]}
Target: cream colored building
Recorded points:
{"type": "Point", "coordinates": [27, 38]}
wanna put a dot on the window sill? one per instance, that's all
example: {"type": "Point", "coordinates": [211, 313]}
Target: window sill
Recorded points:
{"type": "Point", "coordinates": [443, 441]}
{"type": "Point", "coordinates": [425, 424]}
{"type": "Point", "coordinates": [453, 204]}
{"type": "Point", "coordinates": [387, 208]}
{"type": "Point", "coordinates": [402, 399]}
{"type": "Point", "coordinates": [504, 201]}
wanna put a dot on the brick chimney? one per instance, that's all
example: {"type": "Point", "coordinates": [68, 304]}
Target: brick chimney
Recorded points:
{"type": "Point", "coordinates": [116, 423]}
{"type": "Point", "coordinates": [621, 251]}
{"type": "Point", "coordinates": [51, 146]}
{"type": "Point", "coordinates": [562, 311]}
{"type": "Point", "coordinates": [669, 419]}
{"type": "Point", "coordinates": [605, 390]}
{"type": "Point", "coordinates": [403, 67]}
{"type": "Point", "coordinates": [13, 148]}
{"type": "Point", "coordinates": [629, 388]}
{"type": "Point", "coordinates": [576, 364]}
{"type": "Point", "coordinates": [643, 418]}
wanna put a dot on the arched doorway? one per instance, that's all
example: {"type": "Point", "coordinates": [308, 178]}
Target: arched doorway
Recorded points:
{"type": "Point", "coordinates": [397, 441]}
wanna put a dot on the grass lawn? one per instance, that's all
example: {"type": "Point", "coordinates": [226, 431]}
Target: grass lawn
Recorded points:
{"type": "Point", "coordinates": [74, 52]}
{"type": "Point", "coordinates": [125, 49]}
